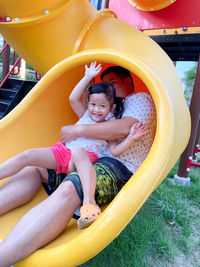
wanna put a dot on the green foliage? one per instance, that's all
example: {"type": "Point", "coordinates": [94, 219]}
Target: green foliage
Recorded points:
{"type": "Point", "coordinates": [29, 67]}
{"type": "Point", "coordinates": [189, 78]}
{"type": "Point", "coordinates": [198, 157]}
{"type": "Point", "coordinates": [30, 76]}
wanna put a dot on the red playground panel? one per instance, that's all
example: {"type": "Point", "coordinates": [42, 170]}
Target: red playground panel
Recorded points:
{"type": "Point", "coordinates": [182, 13]}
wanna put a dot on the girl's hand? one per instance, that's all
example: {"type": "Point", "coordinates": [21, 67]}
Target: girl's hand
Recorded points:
{"type": "Point", "coordinates": [137, 130]}
{"type": "Point", "coordinates": [93, 70]}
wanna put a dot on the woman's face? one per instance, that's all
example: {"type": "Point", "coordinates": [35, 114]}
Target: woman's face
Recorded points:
{"type": "Point", "coordinates": [98, 107]}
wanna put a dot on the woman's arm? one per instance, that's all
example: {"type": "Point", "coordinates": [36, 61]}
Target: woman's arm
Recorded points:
{"type": "Point", "coordinates": [137, 130]}
{"type": "Point", "coordinates": [75, 96]}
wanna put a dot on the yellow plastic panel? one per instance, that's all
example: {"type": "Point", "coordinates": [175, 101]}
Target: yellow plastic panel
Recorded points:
{"type": "Point", "coordinates": [59, 30]}
{"type": "Point", "coordinates": [24, 8]}
{"type": "Point", "coordinates": [151, 5]}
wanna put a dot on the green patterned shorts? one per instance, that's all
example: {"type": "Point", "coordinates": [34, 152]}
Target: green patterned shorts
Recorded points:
{"type": "Point", "coordinates": [111, 177]}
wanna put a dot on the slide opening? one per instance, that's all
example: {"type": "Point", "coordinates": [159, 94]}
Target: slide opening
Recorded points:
{"type": "Point", "coordinates": [70, 71]}
{"type": "Point", "coordinates": [65, 75]}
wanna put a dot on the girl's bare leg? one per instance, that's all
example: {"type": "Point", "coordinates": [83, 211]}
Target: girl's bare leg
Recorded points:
{"type": "Point", "coordinates": [86, 173]}
{"type": "Point", "coordinates": [40, 225]}
{"type": "Point", "coordinates": [40, 157]}
{"type": "Point", "coordinates": [21, 188]}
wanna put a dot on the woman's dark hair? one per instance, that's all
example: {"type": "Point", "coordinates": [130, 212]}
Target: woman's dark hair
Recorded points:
{"type": "Point", "coordinates": [119, 71]}
{"type": "Point", "coordinates": [109, 91]}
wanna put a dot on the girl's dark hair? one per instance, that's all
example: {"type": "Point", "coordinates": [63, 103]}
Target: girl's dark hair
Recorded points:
{"type": "Point", "coordinates": [109, 91]}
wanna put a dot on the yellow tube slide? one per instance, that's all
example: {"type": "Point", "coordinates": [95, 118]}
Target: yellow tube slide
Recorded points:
{"type": "Point", "coordinates": [63, 36]}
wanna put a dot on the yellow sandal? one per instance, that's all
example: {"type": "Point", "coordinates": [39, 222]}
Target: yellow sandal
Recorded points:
{"type": "Point", "coordinates": [89, 214]}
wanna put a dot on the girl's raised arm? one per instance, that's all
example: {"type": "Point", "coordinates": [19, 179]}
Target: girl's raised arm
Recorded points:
{"type": "Point", "coordinates": [75, 96]}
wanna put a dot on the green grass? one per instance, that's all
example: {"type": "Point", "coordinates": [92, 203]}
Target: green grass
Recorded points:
{"type": "Point", "coordinates": [165, 232]}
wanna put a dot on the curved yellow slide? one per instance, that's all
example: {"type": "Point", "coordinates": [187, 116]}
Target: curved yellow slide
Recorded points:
{"type": "Point", "coordinates": [58, 40]}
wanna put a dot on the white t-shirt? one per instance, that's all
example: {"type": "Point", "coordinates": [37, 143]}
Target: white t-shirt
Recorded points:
{"type": "Point", "coordinates": [91, 145]}
{"type": "Point", "coordinates": [141, 107]}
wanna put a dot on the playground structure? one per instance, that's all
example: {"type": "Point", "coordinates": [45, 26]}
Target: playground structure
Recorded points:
{"type": "Point", "coordinates": [192, 162]}
{"type": "Point", "coordinates": [153, 5]}
{"type": "Point", "coordinates": [176, 29]}
{"type": "Point", "coordinates": [12, 90]}
{"type": "Point", "coordinates": [94, 36]}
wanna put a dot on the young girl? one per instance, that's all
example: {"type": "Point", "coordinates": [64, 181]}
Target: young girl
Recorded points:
{"type": "Point", "coordinates": [81, 152]}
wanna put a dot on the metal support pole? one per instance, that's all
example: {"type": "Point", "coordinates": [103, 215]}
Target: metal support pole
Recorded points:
{"type": "Point", "coordinates": [99, 4]}
{"type": "Point", "coordinates": [195, 115]}
{"type": "Point", "coordinates": [6, 61]}
{"type": "Point", "coordinates": [104, 4]}
{"type": "Point", "coordinates": [197, 141]}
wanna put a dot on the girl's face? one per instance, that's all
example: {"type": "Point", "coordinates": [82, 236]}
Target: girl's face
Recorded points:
{"type": "Point", "coordinates": [98, 107]}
